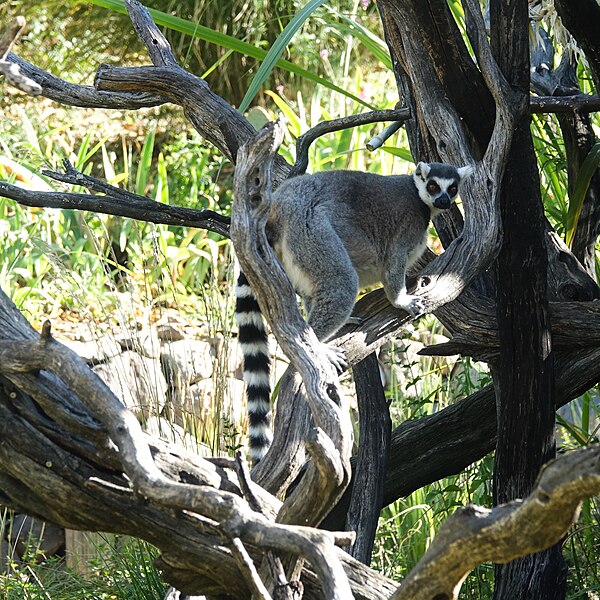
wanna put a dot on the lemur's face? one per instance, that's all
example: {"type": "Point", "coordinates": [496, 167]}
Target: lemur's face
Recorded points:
{"type": "Point", "coordinates": [438, 184]}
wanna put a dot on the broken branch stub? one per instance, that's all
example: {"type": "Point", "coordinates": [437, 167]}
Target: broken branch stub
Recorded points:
{"type": "Point", "coordinates": [11, 71]}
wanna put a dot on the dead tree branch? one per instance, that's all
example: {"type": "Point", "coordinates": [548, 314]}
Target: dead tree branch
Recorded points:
{"type": "Point", "coordinates": [474, 535]}
{"type": "Point", "coordinates": [117, 202]}
{"type": "Point", "coordinates": [329, 473]}
{"type": "Point", "coordinates": [306, 139]}
{"type": "Point", "coordinates": [232, 515]}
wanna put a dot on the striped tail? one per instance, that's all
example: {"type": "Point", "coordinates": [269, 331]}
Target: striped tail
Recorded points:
{"type": "Point", "coordinates": [255, 350]}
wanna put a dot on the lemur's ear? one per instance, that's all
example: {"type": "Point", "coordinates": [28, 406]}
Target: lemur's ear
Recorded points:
{"type": "Point", "coordinates": [422, 170]}
{"type": "Point", "coordinates": [464, 172]}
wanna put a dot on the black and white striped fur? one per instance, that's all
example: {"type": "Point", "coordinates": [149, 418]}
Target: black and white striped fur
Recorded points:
{"type": "Point", "coordinates": [254, 344]}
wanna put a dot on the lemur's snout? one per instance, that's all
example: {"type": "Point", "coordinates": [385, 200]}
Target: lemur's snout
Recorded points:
{"type": "Point", "coordinates": [442, 201]}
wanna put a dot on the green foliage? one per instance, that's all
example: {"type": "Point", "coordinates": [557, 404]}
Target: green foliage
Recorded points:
{"type": "Point", "coordinates": [53, 262]}
{"type": "Point", "coordinates": [269, 59]}
{"type": "Point", "coordinates": [273, 55]}
{"type": "Point", "coordinates": [582, 183]}
{"type": "Point", "coordinates": [122, 569]}
{"type": "Point", "coordinates": [56, 260]}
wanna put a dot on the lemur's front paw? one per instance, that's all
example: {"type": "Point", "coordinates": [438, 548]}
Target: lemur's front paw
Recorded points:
{"type": "Point", "coordinates": [336, 357]}
{"type": "Point", "coordinates": [413, 305]}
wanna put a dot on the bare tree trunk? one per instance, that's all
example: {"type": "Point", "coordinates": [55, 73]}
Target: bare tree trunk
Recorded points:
{"type": "Point", "coordinates": [373, 453]}
{"type": "Point", "coordinates": [524, 378]}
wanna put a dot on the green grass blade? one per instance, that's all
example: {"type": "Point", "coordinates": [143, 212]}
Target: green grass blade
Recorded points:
{"type": "Point", "coordinates": [274, 54]}
{"type": "Point", "coordinates": [295, 124]}
{"type": "Point", "coordinates": [368, 39]}
{"type": "Point", "coordinates": [402, 153]}
{"type": "Point", "coordinates": [582, 183]}
{"type": "Point", "coordinates": [145, 164]}
{"type": "Point", "coordinates": [226, 41]}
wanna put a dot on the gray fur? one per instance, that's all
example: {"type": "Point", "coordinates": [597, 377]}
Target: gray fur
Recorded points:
{"type": "Point", "coordinates": [334, 233]}
{"type": "Point", "coordinates": [339, 231]}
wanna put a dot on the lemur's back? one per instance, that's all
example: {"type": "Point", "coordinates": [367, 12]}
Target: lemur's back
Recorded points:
{"type": "Point", "coordinates": [368, 212]}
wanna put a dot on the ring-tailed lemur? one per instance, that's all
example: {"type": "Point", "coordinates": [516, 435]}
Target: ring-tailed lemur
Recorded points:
{"type": "Point", "coordinates": [334, 233]}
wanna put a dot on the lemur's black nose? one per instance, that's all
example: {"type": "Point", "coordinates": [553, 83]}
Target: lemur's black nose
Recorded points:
{"type": "Point", "coordinates": [442, 201]}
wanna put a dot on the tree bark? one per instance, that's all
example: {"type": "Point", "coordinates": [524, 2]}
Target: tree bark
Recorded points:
{"type": "Point", "coordinates": [70, 461]}
{"type": "Point", "coordinates": [371, 464]}
{"type": "Point", "coordinates": [524, 377]}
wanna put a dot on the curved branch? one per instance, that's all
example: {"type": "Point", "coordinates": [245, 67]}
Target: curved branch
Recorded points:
{"type": "Point", "coordinates": [306, 139]}
{"type": "Point", "coordinates": [120, 203]}
{"type": "Point", "coordinates": [85, 96]}
{"type": "Point", "coordinates": [329, 473]}
{"type": "Point", "coordinates": [228, 510]}
{"type": "Point", "coordinates": [474, 535]}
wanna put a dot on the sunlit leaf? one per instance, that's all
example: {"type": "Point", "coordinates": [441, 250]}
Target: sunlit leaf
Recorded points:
{"type": "Point", "coordinates": [582, 183]}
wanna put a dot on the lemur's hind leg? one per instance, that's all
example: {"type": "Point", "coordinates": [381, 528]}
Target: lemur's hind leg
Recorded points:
{"type": "Point", "coordinates": [331, 289]}
{"type": "Point", "coordinates": [394, 284]}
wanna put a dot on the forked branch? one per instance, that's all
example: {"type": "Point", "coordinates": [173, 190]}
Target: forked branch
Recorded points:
{"type": "Point", "coordinates": [229, 511]}
{"type": "Point", "coordinates": [330, 471]}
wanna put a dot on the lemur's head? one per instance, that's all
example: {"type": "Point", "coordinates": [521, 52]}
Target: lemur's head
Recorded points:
{"type": "Point", "coordinates": [438, 183]}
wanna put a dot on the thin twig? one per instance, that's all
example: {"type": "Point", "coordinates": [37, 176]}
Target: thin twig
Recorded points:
{"type": "Point", "coordinates": [243, 473]}
{"type": "Point", "coordinates": [245, 561]}
{"type": "Point", "coordinates": [11, 71]}
{"type": "Point", "coordinates": [117, 202]}
{"type": "Point", "coordinates": [10, 36]}
{"type": "Point", "coordinates": [381, 138]}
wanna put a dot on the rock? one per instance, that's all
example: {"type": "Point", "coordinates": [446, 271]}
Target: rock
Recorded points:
{"type": "Point", "coordinates": [187, 361]}
{"type": "Point", "coordinates": [138, 382]}
{"type": "Point", "coordinates": [146, 342]}
{"type": "Point", "coordinates": [227, 401]}
{"type": "Point", "coordinates": [42, 536]}
{"type": "Point", "coordinates": [169, 332]}
{"type": "Point", "coordinates": [166, 430]}
{"type": "Point", "coordinates": [94, 351]}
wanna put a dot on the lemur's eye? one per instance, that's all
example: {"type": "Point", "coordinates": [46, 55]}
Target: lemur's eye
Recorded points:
{"type": "Point", "coordinates": [453, 189]}
{"type": "Point", "coordinates": [433, 187]}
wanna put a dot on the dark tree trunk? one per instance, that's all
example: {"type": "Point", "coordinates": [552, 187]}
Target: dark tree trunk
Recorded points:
{"type": "Point", "coordinates": [579, 139]}
{"type": "Point", "coordinates": [371, 464]}
{"type": "Point", "coordinates": [524, 378]}
{"type": "Point", "coordinates": [582, 19]}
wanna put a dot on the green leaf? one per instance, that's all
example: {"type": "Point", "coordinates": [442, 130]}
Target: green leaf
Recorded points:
{"type": "Point", "coordinates": [274, 54]}
{"type": "Point", "coordinates": [226, 41]}
{"type": "Point", "coordinates": [403, 153]}
{"type": "Point", "coordinates": [582, 183]}
{"type": "Point", "coordinates": [343, 147]}
{"type": "Point", "coordinates": [294, 121]}
{"type": "Point", "coordinates": [144, 164]}
{"type": "Point", "coordinates": [369, 40]}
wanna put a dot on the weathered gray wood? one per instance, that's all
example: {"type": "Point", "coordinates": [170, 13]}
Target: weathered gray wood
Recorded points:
{"type": "Point", "coordinates": [223, 508]}
{"type": "Point", "coordinates": [474, 534]}
{"type": "Point", "coordinates": [200, 555]}
{"type": "Point", "coordinates": [329, 472]}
